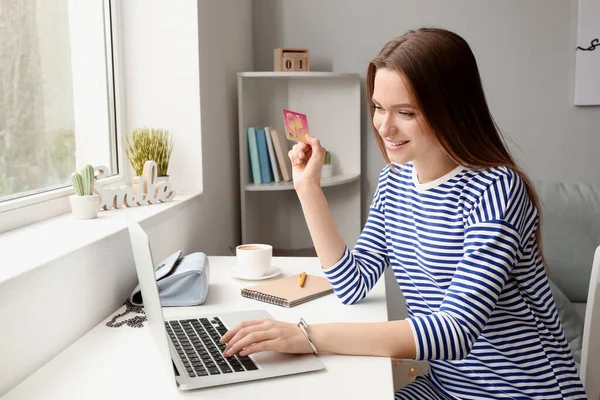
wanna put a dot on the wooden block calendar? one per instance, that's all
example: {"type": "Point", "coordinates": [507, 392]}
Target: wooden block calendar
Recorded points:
{"type": "Point", "coordinates": [291, 60]}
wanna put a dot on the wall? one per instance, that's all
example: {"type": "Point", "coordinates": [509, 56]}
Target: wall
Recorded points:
{"type": "Point", "coordinates": [525, 52]}
{"type": "Point", "coordinates": [200, 45]}
{"type": "Point", "coordinates": [225, 48]}
{"type": "Point", "coordinates": [161, 78]}
{"type": "Point", "coordinates": [170, 51]}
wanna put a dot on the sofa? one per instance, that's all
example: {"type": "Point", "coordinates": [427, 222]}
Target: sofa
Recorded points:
{"type": "Point", "coordinates": [570, 237]}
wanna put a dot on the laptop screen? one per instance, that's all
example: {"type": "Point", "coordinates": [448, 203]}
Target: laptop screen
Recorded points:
{"type": "Point", "coordinates": [145, 271]}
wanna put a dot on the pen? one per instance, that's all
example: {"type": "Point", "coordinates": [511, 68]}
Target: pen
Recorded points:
{"type": "Point", "coordinates": [302, 279]}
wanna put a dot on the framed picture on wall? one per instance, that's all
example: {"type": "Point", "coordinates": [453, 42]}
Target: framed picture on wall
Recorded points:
{"type": "Point", "coordinates": [587, 54]}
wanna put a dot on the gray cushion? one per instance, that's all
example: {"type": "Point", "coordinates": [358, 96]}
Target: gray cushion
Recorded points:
{"type": "Point", "coordinates": [570, 233]}
{"type": "Point", "coordinates": [580, 308]}
{"type": "Point", "coordinates": [571, 322]}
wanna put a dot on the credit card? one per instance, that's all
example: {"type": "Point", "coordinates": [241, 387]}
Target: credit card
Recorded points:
{"type": "Point", "coordinates": [296, 126]}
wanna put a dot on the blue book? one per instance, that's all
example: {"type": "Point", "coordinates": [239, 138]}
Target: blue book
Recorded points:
{"type": "Point", "coordinates": [253, 153]}
{"type": "Point", "coordinates": [263, 155]}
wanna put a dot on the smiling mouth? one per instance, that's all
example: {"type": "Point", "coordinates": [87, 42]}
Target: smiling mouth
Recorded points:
{"type": "Point", "coordinates": [396, 144]}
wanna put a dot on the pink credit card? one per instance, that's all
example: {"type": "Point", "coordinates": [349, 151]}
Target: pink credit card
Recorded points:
{"type": "Point", "coordinates": [296, 126]}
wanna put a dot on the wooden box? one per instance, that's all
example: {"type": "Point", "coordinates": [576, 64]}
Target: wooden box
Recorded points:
{"type": "Point", "coordinates": [291, 60]}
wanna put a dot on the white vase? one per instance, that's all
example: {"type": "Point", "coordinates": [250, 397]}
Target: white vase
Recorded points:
{"type": "Point", "coordinates": [84, 207]}
{"type": "Point", "coordinates": [327, 171]}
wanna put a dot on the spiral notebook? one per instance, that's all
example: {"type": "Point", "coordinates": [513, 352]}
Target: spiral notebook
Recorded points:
{"type": "Point", "coordinates": [286, 292]}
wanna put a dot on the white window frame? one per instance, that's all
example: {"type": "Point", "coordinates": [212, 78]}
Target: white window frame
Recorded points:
{"type": "Point", "coordinates": [37, 207]}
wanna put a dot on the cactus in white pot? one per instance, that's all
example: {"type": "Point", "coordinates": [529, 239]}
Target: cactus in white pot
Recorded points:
{"type": "Point", "coordinates": [84, 203]}
{"type": "Point", "coordinates": [327, 171]}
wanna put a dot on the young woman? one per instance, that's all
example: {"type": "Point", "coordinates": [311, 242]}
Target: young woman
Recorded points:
{"type": "Point", "coordinates": [458, 223]}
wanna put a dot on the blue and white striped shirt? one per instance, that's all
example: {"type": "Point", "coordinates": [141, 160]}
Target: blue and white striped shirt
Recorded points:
{"type": "Point", "coordinates": [464, 253]}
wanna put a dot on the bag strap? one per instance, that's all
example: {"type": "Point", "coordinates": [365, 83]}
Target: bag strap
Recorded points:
{"type": "Point", "coordinates": [134, 322]}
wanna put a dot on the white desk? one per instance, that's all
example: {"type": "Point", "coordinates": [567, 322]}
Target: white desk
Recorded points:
{"type": "Point", "coordinates": [122, 363]}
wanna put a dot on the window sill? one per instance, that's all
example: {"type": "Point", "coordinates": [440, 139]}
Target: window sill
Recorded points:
{"type": "Point", "coordinates": [36, 208]}
{"type": "Point", "coordinates": [29, 247]}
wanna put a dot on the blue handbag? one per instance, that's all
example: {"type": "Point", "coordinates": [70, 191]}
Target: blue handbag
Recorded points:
{"type": "Point", "coordinates": [181, 281]}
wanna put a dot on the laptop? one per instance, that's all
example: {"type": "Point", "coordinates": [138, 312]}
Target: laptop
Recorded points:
{"type": "Point", "coordinates": [190, 348]}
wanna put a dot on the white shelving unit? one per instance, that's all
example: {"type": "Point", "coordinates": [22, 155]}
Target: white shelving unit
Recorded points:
{"type": "Point", "coordinates": [326, 182]}
{"type": "Point", "coordinates": [271, 213]}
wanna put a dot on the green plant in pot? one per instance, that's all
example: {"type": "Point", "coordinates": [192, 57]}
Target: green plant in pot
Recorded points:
{"type": "Point", "coordinates": [149, 144]}
{"type": "Point", "coordinates": [84, 203]}
{"type": "Point", "coordinates": [327, 171]}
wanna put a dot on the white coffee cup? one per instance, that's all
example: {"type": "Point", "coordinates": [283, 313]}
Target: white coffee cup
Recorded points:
{"type": "Point", "coordinates": [254, 260]}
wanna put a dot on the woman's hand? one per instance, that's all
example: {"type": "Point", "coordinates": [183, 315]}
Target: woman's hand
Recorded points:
{"type": "Point", "coordinates": [307, 162]}
{"type": "Point", "coordinates": [265, 335]}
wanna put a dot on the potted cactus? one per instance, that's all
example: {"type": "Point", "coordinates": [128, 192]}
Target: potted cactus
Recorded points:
{"type": "Point", "coordinates": [84, 203]}
{"type": "Point", "coordinates": [327, 171]}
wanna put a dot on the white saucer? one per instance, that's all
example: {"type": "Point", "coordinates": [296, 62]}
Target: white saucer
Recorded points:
{"type": "Point", "coordinates": [237, 272]}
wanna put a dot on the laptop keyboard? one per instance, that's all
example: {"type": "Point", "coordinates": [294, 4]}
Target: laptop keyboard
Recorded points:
{"type": "Point", "coordinates": [197, 343]}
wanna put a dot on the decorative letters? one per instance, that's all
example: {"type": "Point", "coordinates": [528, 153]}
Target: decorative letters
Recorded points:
{"type": "Point", "coordinates": [148, 191]}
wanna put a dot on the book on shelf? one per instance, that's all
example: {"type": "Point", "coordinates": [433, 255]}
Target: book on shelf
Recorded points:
{"type": "Point", "coordinates": [282, 157]}
{"type": "Point", "coordinates": [263, 156]}
{"type": "Point", "coordinates": [268, 156]}
{"type": "Point", "coordinates": [272, 158]}
{"type": "Point", "coordinates": [253, 156]}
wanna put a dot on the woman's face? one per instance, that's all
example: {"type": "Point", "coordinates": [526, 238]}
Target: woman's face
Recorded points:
{"type": "Point", "coordinates": [399, 123]}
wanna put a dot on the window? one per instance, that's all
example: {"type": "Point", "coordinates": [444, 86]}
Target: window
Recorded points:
{"type": "Point", "coordinates": [57, 107]}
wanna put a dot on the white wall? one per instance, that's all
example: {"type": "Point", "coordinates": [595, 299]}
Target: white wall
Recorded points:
{"type": "Point", "coordinates": [525, 51]}
{"type": "Point", "coordinates": [225, 49]}
{"type": "Point", "coordinates": [162, 79]}
{"type": "Point", "coordinates": [170, 50]}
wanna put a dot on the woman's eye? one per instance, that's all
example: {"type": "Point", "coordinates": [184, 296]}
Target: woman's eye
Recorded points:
{"type": "Point", "coordinates": [377, 108]}
{"type": "Point", "coordinates": [406, 114]}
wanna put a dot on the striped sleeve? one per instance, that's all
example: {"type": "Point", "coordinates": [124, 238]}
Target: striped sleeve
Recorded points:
{"type": "Point", "coordinates": [492, 247]}
{"type": "Point", "coordinates": [358, 270]}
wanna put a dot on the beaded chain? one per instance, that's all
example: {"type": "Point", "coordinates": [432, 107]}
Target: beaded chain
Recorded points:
{"type": "Point", "coordinates": [134, 322]}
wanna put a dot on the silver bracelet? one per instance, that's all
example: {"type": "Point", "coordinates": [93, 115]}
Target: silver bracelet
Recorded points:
{"type": "Point", "coordinates": [303, 326]}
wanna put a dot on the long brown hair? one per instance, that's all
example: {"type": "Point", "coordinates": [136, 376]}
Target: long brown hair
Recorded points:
{"type": "Point", "coordinates": [441, 72]}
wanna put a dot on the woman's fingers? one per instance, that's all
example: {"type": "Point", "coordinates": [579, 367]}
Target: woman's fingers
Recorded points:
{"type": "Point", "coordinates": [302, 146]}
{"type": "Point", "coordinates": [251, 326]}
{"type": "Point", "coordinates": [265, 345]}
{"type": "Point", "coordinates": [268, 336]}
{"type": "Point", "coordinates": [232, 332]}
{"type": "Point", "coordinates": [313, 141]}
{"type": "Point", "coordinates": [249, 339]}
{"type": "Point", "coordinates": [299, 153]}
{"type": "Point", "coordinates": [316, 149]}
{"type": "Point", "coordinates": [304, 156]}
{"type": "Point", "coordinates": [293, 154]}
{"type": "Point", "coordinates": [243, 333]}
